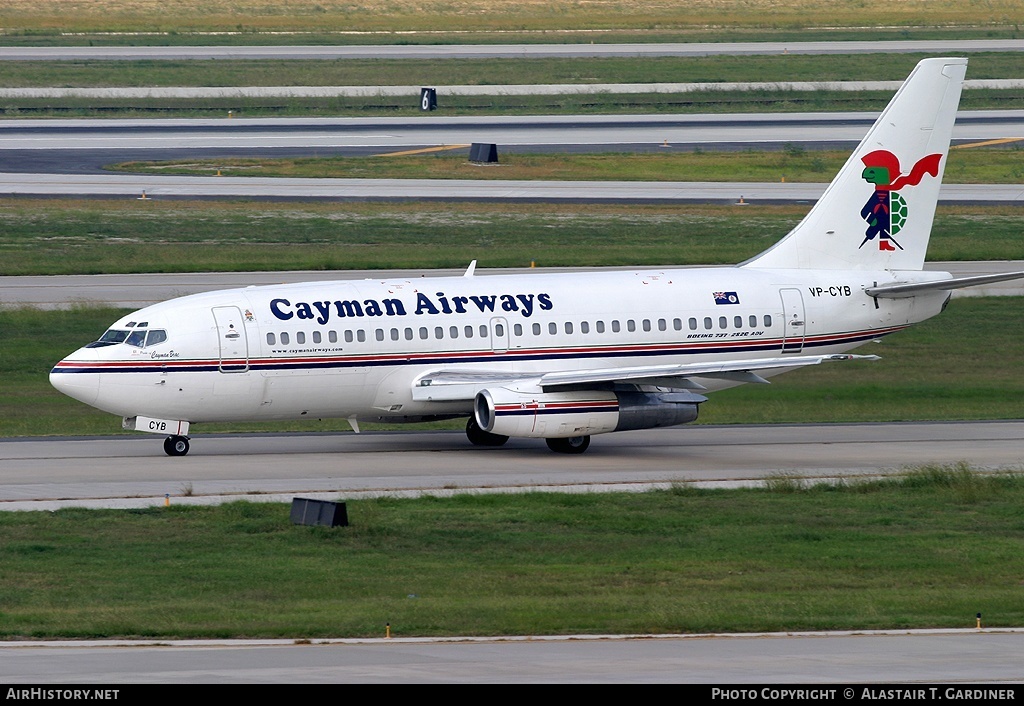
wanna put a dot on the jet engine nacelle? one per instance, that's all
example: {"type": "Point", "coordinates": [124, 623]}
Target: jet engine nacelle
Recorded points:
{"type": "Point", "coordinates": [554, 415]}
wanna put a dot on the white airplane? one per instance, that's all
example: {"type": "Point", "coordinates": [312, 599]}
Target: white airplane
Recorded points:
{"type": "Point", "coordinates": [552, 356]}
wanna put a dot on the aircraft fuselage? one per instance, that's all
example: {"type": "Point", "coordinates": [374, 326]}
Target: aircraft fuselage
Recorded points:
{"type": "Point", "coordinates": [356, 348]}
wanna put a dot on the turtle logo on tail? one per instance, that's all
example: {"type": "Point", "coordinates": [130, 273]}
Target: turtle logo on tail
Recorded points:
{"type": "Point", "coordinates": [886, 211]}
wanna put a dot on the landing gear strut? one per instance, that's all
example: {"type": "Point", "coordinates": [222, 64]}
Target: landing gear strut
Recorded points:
{"type": "Point", "coordinates": [479, 437]}
{"type": "Point", "coordinates": [176, 445]}
{"type": "Point", "coordinates": [571, 445]}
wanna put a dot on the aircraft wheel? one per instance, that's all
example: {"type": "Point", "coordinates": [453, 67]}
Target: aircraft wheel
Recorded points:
{"type": "Point", "coordinates": [176, 445]}
{"type": "Point", "coordinates": [479, 437]}
{"type": "Point", "coordinates": [571, 445]}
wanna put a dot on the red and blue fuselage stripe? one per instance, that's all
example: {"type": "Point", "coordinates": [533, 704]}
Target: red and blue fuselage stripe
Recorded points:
{"type": "Point", "coordinates": [478, 356]}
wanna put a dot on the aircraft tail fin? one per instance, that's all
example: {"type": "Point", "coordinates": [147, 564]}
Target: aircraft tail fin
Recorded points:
{"type": "Point", "coordinates": [877, 213]}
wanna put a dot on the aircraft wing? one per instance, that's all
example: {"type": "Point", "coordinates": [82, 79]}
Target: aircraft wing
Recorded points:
{"type": "Point", "coordinates": [452, 385]}
{"type": "Point", "coordinates": [900, 291]}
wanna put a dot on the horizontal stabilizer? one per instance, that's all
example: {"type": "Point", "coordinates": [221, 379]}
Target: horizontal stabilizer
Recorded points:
{"type": "Point", "coordinates": [911, 289]}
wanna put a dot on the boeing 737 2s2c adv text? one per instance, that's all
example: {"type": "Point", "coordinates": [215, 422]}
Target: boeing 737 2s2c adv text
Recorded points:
{"type": "Point", "coordinates": [553, 356]}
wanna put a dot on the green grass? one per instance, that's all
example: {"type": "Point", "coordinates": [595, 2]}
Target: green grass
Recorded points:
{"type": "Point", "coordinates": [102, 236]}
{"type": "Point", "coordinates": [189, 21]}
{"type": "Point", "coordinates": [925, 374]}
{"type": "Point", "coordinates": [408, 107]}
{"type": "Point", "coordinates": [484, 72]}
{"type": "Point", "coordinates": [923, 552]}
{"type": "Point", "coordinates": [710, 101]}
{"type": "Point", "coordinates": [793, 163]}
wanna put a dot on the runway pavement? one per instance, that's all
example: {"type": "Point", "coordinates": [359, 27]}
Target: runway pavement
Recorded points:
{"type": "Point", "coordinates": [567, 132]}
{"type": "Point", "coordinates": [132, 471]}
{"type": "Point", "coordinates": [848, 666]}
{"type": "Point", "coordinates": [277, 189]}
{"type": "Point", "coordinates": [66, 157]}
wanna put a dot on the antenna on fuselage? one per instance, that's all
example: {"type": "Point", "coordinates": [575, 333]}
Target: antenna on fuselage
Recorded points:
{"type": "Point", "coordinates": [470, 269]}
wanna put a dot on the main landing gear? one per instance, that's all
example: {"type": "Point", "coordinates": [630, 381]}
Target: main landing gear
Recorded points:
{"type": "Point", "coordinates": [571, 445]}
{"type": "Point", "coordinates": [176, 445]}
{"type": "Point", "coordinates": [479, 437]}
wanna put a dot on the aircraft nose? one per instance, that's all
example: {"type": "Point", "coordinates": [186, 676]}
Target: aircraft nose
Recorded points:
{"type": "Point", "coordinates": [84, 387]}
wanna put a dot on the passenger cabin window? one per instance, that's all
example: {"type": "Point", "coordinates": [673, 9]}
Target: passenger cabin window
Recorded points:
{"type": "Point", "coordinates": [271, 339]}
{"type": "Point", "coordinates": [300, 338]}
{"type": "Point", "coordinates": [284, 338]}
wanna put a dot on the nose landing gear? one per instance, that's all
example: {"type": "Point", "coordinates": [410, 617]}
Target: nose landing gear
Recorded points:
{"type": "Point", "coordinates": [176, 445]}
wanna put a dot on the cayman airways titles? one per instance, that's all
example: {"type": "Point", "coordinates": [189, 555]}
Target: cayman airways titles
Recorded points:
{"type": "Point", "coordinates": [322, 311]}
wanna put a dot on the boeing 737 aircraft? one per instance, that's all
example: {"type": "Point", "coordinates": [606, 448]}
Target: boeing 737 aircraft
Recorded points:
{"type": "Point", "coordinates": [554, 356]}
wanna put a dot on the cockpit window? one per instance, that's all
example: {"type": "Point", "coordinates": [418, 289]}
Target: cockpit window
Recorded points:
{"type": "Point", "coordinates": [110, 338]}
{"type": "Point", "coordinates": [113, 336]}
{"type": "Point", "coordinates": [138, 338]}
